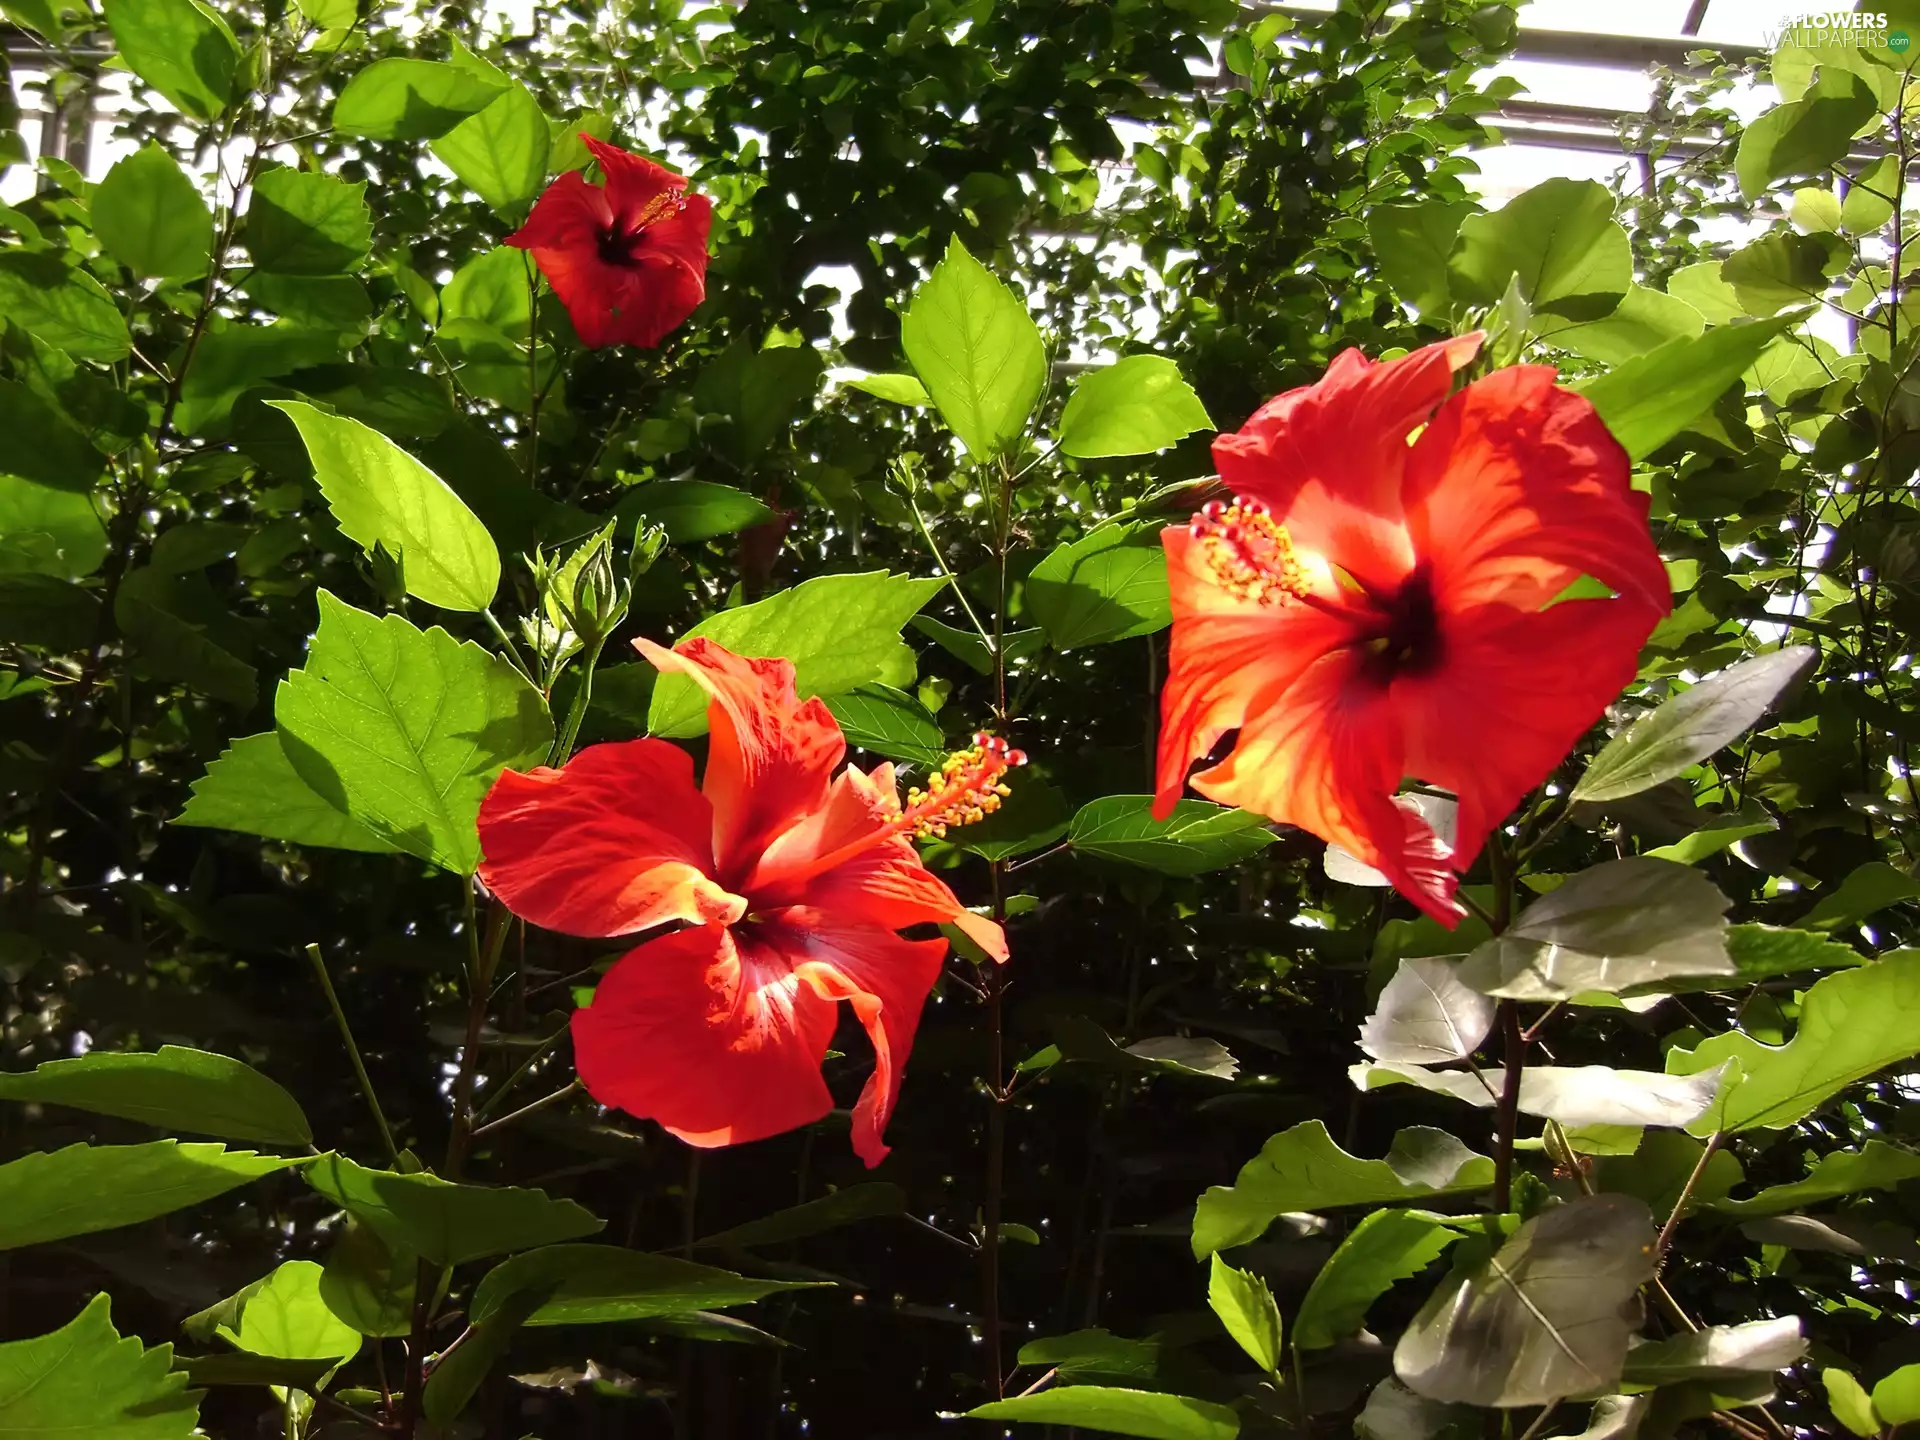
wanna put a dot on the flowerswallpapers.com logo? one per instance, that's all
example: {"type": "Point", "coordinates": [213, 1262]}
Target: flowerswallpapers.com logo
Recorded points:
{"type": "Point", "coordinates": [1858, 29]}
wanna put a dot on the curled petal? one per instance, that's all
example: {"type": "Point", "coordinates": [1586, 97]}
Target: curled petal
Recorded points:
{"type": "Point", "coordinates": [771, 756]}
{"type": "Point", "coordinates": [885, 979]}
{"type": "Point", "coordinates": [569, 215]}
{"type": "Point", "coordinates": [710, 1033]}
{"type": "Point", "coordinates": [633, 182]}
{"type": "Point", "coordinates": [617, 841]}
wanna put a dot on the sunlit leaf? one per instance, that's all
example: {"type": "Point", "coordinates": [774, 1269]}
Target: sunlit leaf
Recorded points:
{"type": "Point", "coordinates": [1385, 1247]}
{"type": "Point", "coordinates": [254, 788]}
{"type": "Point", "coordinates": [402, 99]}
{"type": "Point", "coordinates": [1560, 242]}
{"type": "Point", "coordinates": [1426, 1016]}
{"type": "Point", "coordinates": [1148, 1414]}
{"type": "Point", "coordinates": [173, 1088]}
{"type": "Point", "coordinates": [977, 351]}
{"type": "Point", "coordinates": [51, 1194]}
{"type": "Point", "coordinates": [1876, 1165]}
{"type": "Point", "coordinates": [1197, 838]}
{"type": "Point", "coordinates": [1245, 1306]}
{"type": "Point", "coordinates": [1135, 406]}
{"type": "Point", "coordinates": [181, 48]}
{"type": "Point", "coordinates": [86, 1379]}
{"type": "Point", "coordinates": [445, 1223]}
{"type": "Point", "coordinates": [152, 218]}
{"type": "Point", "coordinates": [1110, 584]}
{"type": "Point", "coordinates": [1571, 1094]}
{"type": "Point", "coordinates": [596, 1284]}
{"type": "Point", "coordinates": [1716, 1352]}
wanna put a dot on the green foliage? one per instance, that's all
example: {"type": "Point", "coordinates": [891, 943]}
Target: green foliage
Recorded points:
{"type": "Point", "coordinates": [598, 1284]}
{"type": "Point", "coordinates": [173, 1088]}
{"type": "Point", "coordinates": [302, 223]}
{"type": "Point", "coordinates": [1245, 1306]}
{"type": "Point", "coordinates": [52, 1194]}
{"type": "Point", "coordinates": [977, 351]}
{"type": "Point", "coordinates": [403, 99]}
{"type": "Point", "coordinates": [151, 218]}
{"type": "Point", "coordinates": [181, 48]}
{"type": "Point", "coordinates": [1109, 585]}
{"type": "Point", "coordinates": [1197, 837]}
{"type": "Point", "coordinates": [1150, 1414]}
{"type": "Point", "coordinates": [1135, 406]}
{"type": "Point", "coordinates": [1385, 1247]}
{"type": "Point", "coordinates": [444, 1223]}
{"type": "Point", "coordinates": [86, 1376]}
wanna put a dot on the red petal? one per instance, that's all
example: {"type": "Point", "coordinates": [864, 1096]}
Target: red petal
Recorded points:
{"type": "Point", "coordinates": [1514, 693]}
{"type": "Point", "coordinates": [569, 215]}
{"type": "Point", "coordinates": [710, 1033]}
{"type": "Point", "coordinates": [771, 756]}
{"type": "Point", "coordinates": [618, 841]}
{"type": "Point", "coordinates": [681, 238]}
{"type": "Point", "coordinates": [887, 981]}
{"type": "Point", "coordinates": [1226, 655]}
{"type": "Point", "coordinates": [633, 181]}
{"type": "Point", "coordinates": [1517, 488]}
{"type": "Point", "coordinates": [1326, 753]}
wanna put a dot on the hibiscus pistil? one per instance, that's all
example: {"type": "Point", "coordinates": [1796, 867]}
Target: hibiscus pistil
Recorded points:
{"type": "Point", "coordinates": [1249, 552]}
{"type": "Point", "coordinates": [967, 789]}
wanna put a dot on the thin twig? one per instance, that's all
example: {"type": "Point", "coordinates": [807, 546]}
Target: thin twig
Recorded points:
{"type": "Point", "coordinates": [528, 1109]}
{"type": "Point", "coordinates": [353, 1053]}
{"type": "Point", "coordinates": [1686, 1193]}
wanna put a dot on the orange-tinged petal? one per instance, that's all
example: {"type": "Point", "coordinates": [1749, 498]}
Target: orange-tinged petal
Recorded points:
{"type": "Point", "coordinates": [1517, 489]}
{"type": "Point", "coordinates": [711, 1033]}
{"type": "Point", "coordinates": [771, 757]}
{"type": "Point", "coordinates": [885, 979]}
{"type": "Point", "coordinates": [617, 841]}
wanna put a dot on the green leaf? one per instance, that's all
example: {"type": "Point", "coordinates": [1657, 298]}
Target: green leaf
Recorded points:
{"type": "Point", "coordinates": [1149, 1414]}
{"type": "Point", "coordinates": [68, 309]}
{"type": "Point", "coordinates": [689, 510]}
{"type": "Point", "coordinates": [253, 788]}
{"type": "Point", "coordinates": [971, 650]}
{"type": "Point", "coordinates": [1780, 269]}
{"type": "Point", "coordinates": [1245, 1306]}
{"type": "Point", "coordinates": [1574, 1095]}
{"type": "Point", "coordinates": [51, 1194]}
{"type": "Point", "coordinates": [152, 218]}
{"type": "Point", "coordinates": [1302, 1169]}
{"type": "Point", "coordinates": [175, 642]}
{"type": "Point", "coordinates": [840, 631]}
{"type": "Point", "coordinates": [844, 1207]}
{"type": "Point", "coordinates": [1093, 1352]}
{"type": "Point", "coordinates": [50, 450]}
{"type": "Point", "coordinates": [900, 389]}
{"type": "Point", "coordinates": [196, 545]}
{"type": "Point", "coordinates": [1867, 890]}
{"type": "Point", "coordinates": [978, 352]}
{"type": "Point", "coordinates": [181, 48]}
{"type": "Point", "coordinates": [381, 495]}
{"type": "Point", "coordinates": [1896, 1399]}
{"type": "Point", "coordinates": [232, 359]}
{"type": "Point", "coordinates": [1805, 136]}
{"type": "Point", "coordinates": [1718, 1352]}
{"type": "Point", "coordinates": [460, 1373]}
{"type": "Point", "coordinates": [1868, 205]}
{"type": "Point", "coordinates": [1665, 1165]}
{"type": "Point", "coordinates": [1620, 924]}
{"type": "Point", "coordinates": [300, 222]}
{"type": "Point", "coordinates": [759, 392]}
{"type": "Point", "coordinates": [1111, 584]}
{"type": "Point", "coordinates": [1550, 1315]}
{"type": "Point", "coordinates": [49, 531]}
{"type": "Point", "coordinates": [1875, 1166]}
{"type": "Point", "coordinates": [367, 1284]}
{"type": "Point", "coordinates": [1720, 833]}
{"type": "Point", "coordinates": [1815, 208]}
{"type": "Point", "coordinates": [1558, 239]}
{"type": "Point", "coordinates": [173, 1088]}
{"type": "Point", "coordinates": [1412, 243]}
{"type": "Point", "coordinates": [501, 153]}
{"type": "Point", "coordinates": [597, 1284]}
{"type": "Point", "coordinates": [240, 1368]}
{"type": "Point", "coordinates": [286, 1318]}
{"type": "Point", "coordinates": [1760, 952]}
{"type": "Point", "coordinates": [405, 730]}
{"type": "Point", "coordinates": [1851, 1025]}
{"type": "Point", "coordinates": [491, 288]}
{"type": "Point", "coordinates": [1653, 397]}
{"type": "Point", "coordinates": [1692, 725]}
{"type": "Point", "coordinates": [1703, 287]}
{"type": "Point", "coordinates": [1385, 1247]}
{"type": "Point", "coordinates": [1850, 1403]}
{"type": "Point", "coordinates": [1135, 406]}
{"type": "Point", "coordinates": [1645, 320]}
{"type": "Point", "coordinates": [444, 1223]}
{"type": "Point", "coordinates": [890, 722]}
{"type": "Point", "coordinates": [398, 99]}
{"type": "Point", "coordinates": [52, 614]}
{"type": "Point", "coordinates": [1031, 818]}
{"type": "Point", "coordinates": [1198, 837]}
{"type": "Point", "coordinates": [85, 1379]}
{"type": "Point", "coordinates": [1082, 1039]}
{"type": "Point", "coordinates": [1426, 1015]}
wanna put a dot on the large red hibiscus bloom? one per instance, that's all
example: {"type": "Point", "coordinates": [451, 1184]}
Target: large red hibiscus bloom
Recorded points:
{"type": "Point", "coordinates": [629, 258]}
{"type": "Point", "coordinates": [1384, 599]}
{"type": "Point", "coordinates": [789, 883]}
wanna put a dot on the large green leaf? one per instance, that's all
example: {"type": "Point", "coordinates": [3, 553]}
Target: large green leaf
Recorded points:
{"type": "Point", "coordinates": [1718, 1352]}
{"type": "Point", "coordinates": [285, 1317]}
{"type": "Point", "coordinates": [1874, 1166]}
{"type": "Point", "coordinates": [1426, 1015]}
{"type": "Point", "coordinates": [491, 288]}
{"type": "Point", "coordinates": [1558, 239]}
{"type": "Point", "coordinates": [399, 99]}
{"type": "Point", "coordinates": [1692, 725]}
{"type": "Point", "coordinates": [445, 1223]}
{"type": "Point", "coordinates": [367, 1283]}
{"type": "Point", "coordinates": [1782, 269]}
{"type": "Point", "coordinates": [1135, 406]}
{"type": "Point", "coordinates": [1621, 924]}
{"type": "Point", "coordinates": [889, 722]}
{"type": "Point", "coordinates": [1412, 243]}
{"type": "Point", "coordinates": [1302, 1169]}
{"type": "Point", "coordinates": [1148, 1414]}
{"type": "Point", "coordinates": [840, 631]}
{"type": "Point", "coordinates": [1653, 397]}
{"type": "Point", "coordinates": [690, 509]}
{"type": "Point", "coordinates": [844, 1207]}
{"type": "Point", "coordinates": [382, 495]}
{"type": "Point", "coordinates": [1245, 1306]}
{"type": "Point", "coordinates": [1385, 1247]}
{"type": "Point", "coordinates": [1574, 1095]}
{"type": "Point", "coordinates": [1867, 890]}
{"type": "Point", "coordinates": [1110, 584]}
{"type": "Point", "coordinates": [301, 222]}
{"type": "Point", "coordinates": [1805, 136]}
{"type": "Point", "coordinates": [1198, 837]}
{"type": "Point", "coordinates": [759, 392]}
{"type": "Point", "coordinates": [501, 153]}
{"type": "Point", "coordinates": [405, 730]}
{"type": "Point", "coordinates": [152, 218]}
{"type": "Point", "coordinates": [49, 531]}
{"type": "Point", "coordinates": [1549, 1316]}
{"type": "Point", "coordinates": [181, 48]}
{"type": "Point", "coordinates": [254, 788]}
{"type": "Point", "coordinates": [173, 1088]}
{"type": "Point", "coordinates": [1896, 1399]}
{"type": "Point", "coordinates": [1645, 320]}
{"type": "Point", "coordinates": [85, 1379]}
{"type": "Point", "coordinates": [51, 1194]}
{"type": "Point", "coordinates": [1031, 818]}
{"type": "Point", "coordinates": [1761, 952]}
{"type": "Point", "coordinates": [49, 450]}
{"type": "Point", "coordinates": [232, 359]}
{"type": "Point", "coordinates": [1851, 1405]}
{"type": "Point", "coordinates": [68, 309]}
{"type": "Point", "coordinates": [596, 1284]}
{"type": "Point", "coordinates": [978, 352]}
{"type": "Point", "coordinates": [1851, 1025]}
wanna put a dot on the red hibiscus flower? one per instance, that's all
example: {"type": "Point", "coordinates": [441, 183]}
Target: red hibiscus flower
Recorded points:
{"type": "Point", "coordinates": [789, 883]}
{"type": "Point", "coordinates": [629, 258]}
{"type": "Point", "coordinates": [1377, 604]}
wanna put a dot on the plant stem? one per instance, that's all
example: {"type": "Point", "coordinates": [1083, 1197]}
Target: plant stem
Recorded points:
{"type": "Point", "coordinates": [506, 1087]}
{"type": "Point", "coordinates": [1686, 1193]}
{"type": "Point", "coordinates": [353, 1053]}
{"type": "Point", "coordinates": [1507, 1122]}
{"type": "Point", "coordinates": [933, 548]}
{"type": "Point", "coordinates": [528, 1109]}
{"type": "Point", "coordinates": [506, 643]}
{"type": "Point", "coordinates": [577, 710]}
{"type": "Point", "coordinates": [481, 960]}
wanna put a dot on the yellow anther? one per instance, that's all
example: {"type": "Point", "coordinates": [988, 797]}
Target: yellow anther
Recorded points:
{"type": "Point", "coordinates": [968, 788]}
{"type": "Point", "coordinates": [1250, 553]}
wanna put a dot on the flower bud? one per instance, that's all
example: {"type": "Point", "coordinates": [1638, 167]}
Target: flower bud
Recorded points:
{"type": "Point", "coordinates": [598, 604]}
{"type": "Point", "coordinates": [648, 545]}
{"type": "Point", "coordinates": [389, 575]}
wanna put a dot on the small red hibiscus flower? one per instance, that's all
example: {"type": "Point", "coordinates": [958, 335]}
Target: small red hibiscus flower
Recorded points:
{"type": "Point", "coordinates": [789, 884]}
{"type": "Point", "coordinates": [629, 258]}
{"type": "Point", "coordinates": [1383, 599]}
